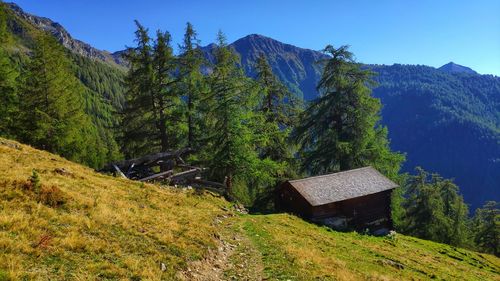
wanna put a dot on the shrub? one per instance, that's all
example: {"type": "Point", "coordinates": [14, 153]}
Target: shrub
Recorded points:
{"type": "Point", "coordinates": [52, 196]}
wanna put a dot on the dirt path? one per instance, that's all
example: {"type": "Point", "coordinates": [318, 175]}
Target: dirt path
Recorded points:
{"type": "Point", "coordinates": [234, 259]}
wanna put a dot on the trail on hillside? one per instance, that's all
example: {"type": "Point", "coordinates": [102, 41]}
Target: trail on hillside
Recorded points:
{"type": "Point", "coordinates": [234, 258]}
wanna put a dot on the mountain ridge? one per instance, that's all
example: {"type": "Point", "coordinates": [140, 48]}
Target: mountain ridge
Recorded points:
{"type": "Point", "coordinates": [65, 38]}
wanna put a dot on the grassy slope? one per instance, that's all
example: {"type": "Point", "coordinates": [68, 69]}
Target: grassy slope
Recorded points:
{"type": "Point", "coordinates": [111, 228]}
{"type": "Point", "coordinates": [296, 250]}
{"type": "Point", "coordinates": [108, 228]}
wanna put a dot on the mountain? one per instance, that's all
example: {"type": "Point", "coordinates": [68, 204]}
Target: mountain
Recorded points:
{"type": "Point", "coordinates": [295, 66]}
{"type": "Point", "coordinates": [452, 67]}
{"type": "Point", "coordinates": [73, 223]}
{"type": "Point", "coordinates": [445, 121]}
{"type": "Point", "coordinates": [63, 36]}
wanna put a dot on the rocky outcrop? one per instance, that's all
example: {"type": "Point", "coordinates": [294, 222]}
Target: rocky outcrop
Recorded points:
{"type": "Point", "coordinates": [63, 36]}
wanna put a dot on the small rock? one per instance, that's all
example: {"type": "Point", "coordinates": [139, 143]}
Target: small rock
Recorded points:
{"type": "Point", "coordinates": [63, 172]}
{"type": "Point", "coordinates": [163, 267]}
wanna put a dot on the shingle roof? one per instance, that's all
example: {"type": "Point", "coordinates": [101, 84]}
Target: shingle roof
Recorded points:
{"type": "Point", "coordinates": [340, 186]}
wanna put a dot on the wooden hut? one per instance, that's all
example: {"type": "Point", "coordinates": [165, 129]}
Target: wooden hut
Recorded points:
{"type": "Point", "coordinates": [356, 199]}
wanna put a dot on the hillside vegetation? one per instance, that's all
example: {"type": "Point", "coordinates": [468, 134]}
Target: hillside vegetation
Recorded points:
{"type": "Point", "coordinates": [82, 225]}
{"type": "Point", "coordinates": [67, 222]}
{"type": "Point", "coordinates": [98, 85]}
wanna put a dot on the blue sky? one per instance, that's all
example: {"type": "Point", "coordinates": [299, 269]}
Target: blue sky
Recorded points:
{"type": "Point", "coordinates": [426, 32]}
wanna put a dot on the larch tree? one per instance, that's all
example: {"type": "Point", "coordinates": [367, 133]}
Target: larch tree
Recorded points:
{"type": "Point", "coordinates": [340, 130]}
{"type": "Point", "coordinates": [8, 83]}
{"type": "Point", "coordinates": [434, 209]}
{"type": "Point", "coordinates": [486, 224]}
{"type": "Point", "coordinates": [53, 116]}
{"type": "Point", "coordinates": [231, 151]}
{"type": "Point", "coordinates": [191, 82]}
{"type": "Point", "coordinates": [167, 102]}
{"type": "Point", "coordinates": [279, 110]}
{"type": "Point", "coordinates": [150, 99]}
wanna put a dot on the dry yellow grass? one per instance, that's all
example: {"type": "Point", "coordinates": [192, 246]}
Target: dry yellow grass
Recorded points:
{"type": "Point", "coordinates": [81, 225]}
{"type": "Point", "coordinates": [107, 228]}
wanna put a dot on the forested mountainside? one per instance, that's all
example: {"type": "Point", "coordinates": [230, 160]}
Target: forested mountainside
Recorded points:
{"type": "Point", "coordinates": [446, 120]}
{"type": "Point", "coordinates": [448, 123]}
{"type": "Point", "coordinates": [100, 83]}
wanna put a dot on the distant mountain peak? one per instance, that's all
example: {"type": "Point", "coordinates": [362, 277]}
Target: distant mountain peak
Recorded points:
{"type": "Point", "coordinates": [452, 67]}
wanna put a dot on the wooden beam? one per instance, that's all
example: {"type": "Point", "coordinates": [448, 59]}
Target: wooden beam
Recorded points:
{"type": "Point", "coordinates": [184, 174]}
{"type": "Point", "coordinates": [191, 167]}
{"type": "Point", "coordinates": [155, 176]}
{"type": "Point", "coordinates": [119, 171]}
{"type": "Point", "coordinates": [152, 158]}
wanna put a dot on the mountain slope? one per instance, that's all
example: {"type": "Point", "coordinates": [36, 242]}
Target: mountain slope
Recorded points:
{"type": "Point", "coordinates": [84, 225]}
{"type": "Point", "coordinates": [77, 224]}
{"type": "Point", "coordinates": [447, 123]}
{"type": "Point", "coordinates": [296, 67]}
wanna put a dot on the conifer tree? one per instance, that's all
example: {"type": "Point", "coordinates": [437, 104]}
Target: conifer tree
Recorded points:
{"type": "Point", "coordinates": [151, 99]}
{"type": "Point", "coordinates": [340, 130]}
{"type": "Point", "coordinates": [8, 83]}
{"type": "Point", "coordinates": [486, 224]}
{"type": "Point", "coordinates": [279, 108]}
{"type": "Point", "coordinates": [138, 123]}
{"type": "Point", "coordinates": [191, 82]}
{"type": "Point", "coordinates": [52, 107]}
{"type": "Point", "coordinates": [455, 211]}
{"type": "Point", "coordinates": [166, 99]}
{"type": "Point", "coordinates": [231, 152]}
{"type": "Point", "coordinates": [434, 210]}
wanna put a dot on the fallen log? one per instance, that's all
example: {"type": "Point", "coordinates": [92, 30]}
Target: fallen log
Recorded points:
{"type": "Point", "coordinates": [149, 160]}
{"type": "Point", "coordinates": [155, 176]}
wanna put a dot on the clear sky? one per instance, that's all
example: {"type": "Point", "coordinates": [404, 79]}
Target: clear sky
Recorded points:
{"type": "Point", "coordinates": [430, 32]}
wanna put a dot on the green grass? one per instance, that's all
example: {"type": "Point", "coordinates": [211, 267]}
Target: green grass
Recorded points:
{"type": "Point", "coordinates": [296, 250]}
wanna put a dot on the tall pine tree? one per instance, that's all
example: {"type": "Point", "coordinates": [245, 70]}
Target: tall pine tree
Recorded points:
{"type": "Point", "coordinates": [487, 228]}
{"type": "Point", "coordinates": [192, 83]}
{"type": "Point", "coordinates": [151, 100]}
{"type": "Point", "coordinates": [340, 130]}
{"type": "Point", "coordinates": [231, 152]}
{"type": "Point", "coordinates": [434, 210]}
{"type": "Point", "coordinates": [279, 108]}
{"type": "Point", "coordinates": [52, 114]}
{"type": "Point", "coordinates": [8, 83]}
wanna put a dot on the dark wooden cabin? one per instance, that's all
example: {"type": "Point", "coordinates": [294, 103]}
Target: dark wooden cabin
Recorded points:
{"type": "Point", "coordinates": [356, 199]}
